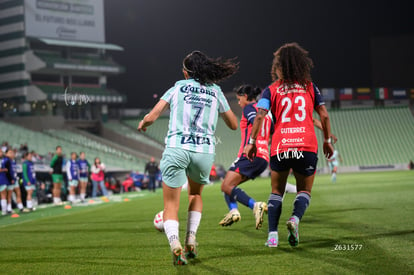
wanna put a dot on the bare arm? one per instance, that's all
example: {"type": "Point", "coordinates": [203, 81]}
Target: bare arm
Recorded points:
{"type": "Point", "coordinates": [326, 128]}
{"type": "Point", "coordinates": [230, 119]}
{"type": "Point", "coordinates": [250, 149]}
{"type": "Point", "coordinates": [153, 115]}
{"type": "Point", "coordinates": [318, 124]}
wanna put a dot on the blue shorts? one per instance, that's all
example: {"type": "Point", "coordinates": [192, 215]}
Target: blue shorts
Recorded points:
{"type": "Point", "coordinates": [247, 168]}
{"type": "Point", "coordinates": [304, 163]}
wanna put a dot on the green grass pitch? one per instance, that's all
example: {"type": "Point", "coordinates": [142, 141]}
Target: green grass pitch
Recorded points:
{"type": "Point", "coordinates": [372, 211]}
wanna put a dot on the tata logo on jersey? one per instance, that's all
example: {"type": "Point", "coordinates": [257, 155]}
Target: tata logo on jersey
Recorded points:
{"type": "Point", "coordinates": [196, 90]}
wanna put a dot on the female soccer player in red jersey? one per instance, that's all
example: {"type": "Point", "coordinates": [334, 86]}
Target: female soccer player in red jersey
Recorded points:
{"type": "Point", "coordinates": [291, 99]}
{"type": "Point", "coordinates": [242, 169]}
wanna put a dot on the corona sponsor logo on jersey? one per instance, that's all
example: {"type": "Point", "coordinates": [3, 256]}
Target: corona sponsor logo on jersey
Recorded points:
{"type": "Point", "coordinates": [196, 90]}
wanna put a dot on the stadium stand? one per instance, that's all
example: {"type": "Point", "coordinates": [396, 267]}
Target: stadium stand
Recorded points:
{"type": "Point", "coordinates": [157, 131]}
{"type": "Point", "coordinates": [44, 143]}
{"type": "Point", "coordinates": [370, 137]}
{"type": "Point", "coordinates": [367, 137]}
{"type": "Point", "coordinates": [131, 132]}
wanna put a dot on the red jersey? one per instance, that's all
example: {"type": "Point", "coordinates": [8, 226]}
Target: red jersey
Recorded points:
{"type": "Point", "coordinates": [292, 106]}
{"type": "Point", "coordinates": [262, 140]}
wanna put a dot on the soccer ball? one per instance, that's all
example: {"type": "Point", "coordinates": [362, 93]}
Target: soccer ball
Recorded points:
{"type": "Point", "coordinates": [159, 221]}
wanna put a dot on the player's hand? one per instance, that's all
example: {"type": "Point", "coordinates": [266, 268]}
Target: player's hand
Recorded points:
{"type": "Point", "coordinates": [334, 138]}
{"type": "Point", "coordinates": [140, 126]}
{"type": "Point", "coordinates": [250, 151]}
{"type": "Point", "coordinates": [328, 150]}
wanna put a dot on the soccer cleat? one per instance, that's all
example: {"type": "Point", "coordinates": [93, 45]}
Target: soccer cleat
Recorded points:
{"type": "Point", "coordinates": [25, 210]}
{"type": "Point", "coordinates": [258, 210]}
{"type": "Point", "coordinates": [191, 247]}
{"type": "Point", "coordinates": [230, 218]}
{"type": "Point", "coordinates": [272, 240]}
{"type": "Point", "coordinates": [293, 230]}
{"type": "Point", "coordinates": [177, 253]}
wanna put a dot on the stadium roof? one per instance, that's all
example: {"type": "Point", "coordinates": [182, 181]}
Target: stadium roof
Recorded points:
{"type": "Point", "coordinates": [79, 44]}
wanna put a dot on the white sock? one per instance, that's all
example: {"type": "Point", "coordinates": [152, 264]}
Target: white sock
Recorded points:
{"type": "Point", "coordinates": [9, 208]}
{"type": "Point", "coordinates": [290, 188]}
{"type": "Point", "coordinates": [194, 218]}
{"type": "Point", "coordinates": [82, 196]}
{"type": "Point", "coordinates": [56, 200]}
{"type": "Point", "coordinates": [71, 198]}
{"type": "Point", "coordinates": [20, 205]}
{"type": "Point", "coordinates": [29, 204]}
{"type": "Point", "coordinates": [4, 206]}
{"type": "Point", "coordinates": [171, 230]}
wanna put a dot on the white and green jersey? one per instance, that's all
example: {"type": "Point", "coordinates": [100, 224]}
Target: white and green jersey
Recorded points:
{"type": "Point", "coordinates": [194, 110]}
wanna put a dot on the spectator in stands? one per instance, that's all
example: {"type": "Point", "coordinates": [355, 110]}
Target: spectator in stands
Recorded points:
{"type": "Point", "coordinates": [29, 179]}
{"type": "Point", "coordinates": [97, 177]}
{"type": "Point", "coordinates": [151, 169]}
{"type": "Point", "coordinates": [57, 175]}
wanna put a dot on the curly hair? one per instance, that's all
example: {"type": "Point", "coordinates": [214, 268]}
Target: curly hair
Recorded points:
{"type": "Point", "coordinates": [249, 90]}
{"type": "Point", "coordinates": [293, 63]}
{"type": "Point", "coordinates": [207, 70]}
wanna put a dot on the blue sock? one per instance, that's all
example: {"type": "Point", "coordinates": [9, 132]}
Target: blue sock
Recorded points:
{"type": "Point", "coordinates": [242, 197]}
{"type": "Point", "coordinates": [301, 203]}
{"type": "Point", "coordinates": [274, 209]}
{"type": "Point", "coordinates": [232, 204]}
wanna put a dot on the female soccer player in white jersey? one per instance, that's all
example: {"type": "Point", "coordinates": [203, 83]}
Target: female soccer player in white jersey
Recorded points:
{"type": "Point", "coordinates": [291, 99]}
{"type": "Point", "coordinates": [195, 104]}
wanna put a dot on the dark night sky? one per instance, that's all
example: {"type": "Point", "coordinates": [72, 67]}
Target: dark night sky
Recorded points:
{"type": "Point", "coordinates": [157, 34]}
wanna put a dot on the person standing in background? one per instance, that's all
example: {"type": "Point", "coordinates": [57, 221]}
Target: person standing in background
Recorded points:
{"type": "Point", "coordinates": [29, 179]}
{"type": "Point", "coordinates": [97, 177]}
{"type": "Point", "coordinates": [14, 184]}
{"type": "Point", "coordinates": [72, 172]}
{"type": "Point", "coordinates": [84, 168]}
{"type": "Point", "coordinates": [57, 175]}
{"type": "Point", "coordinates": [151, 169]}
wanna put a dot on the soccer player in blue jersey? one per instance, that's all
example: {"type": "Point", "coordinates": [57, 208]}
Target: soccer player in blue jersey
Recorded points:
{"type": "Point", "coordinates": [195, 104]}
{"type": "Point", "coordinates": [29, 179]}
{"type": "Point", "coordinates": [13, 184]}
{"type": "Point", "coordinates": [4, 164]}
{"type": "Point", "coordinates": [72, 172]}
{"type": "Point", "coordinates": [84, 168]}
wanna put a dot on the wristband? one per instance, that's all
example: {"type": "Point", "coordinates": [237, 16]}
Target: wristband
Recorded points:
{"type": "Point", "coordinates": [252, 141]}
{"type": "Point", "coordinates": [329, 140]}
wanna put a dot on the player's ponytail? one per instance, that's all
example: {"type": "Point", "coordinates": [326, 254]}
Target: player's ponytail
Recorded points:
{"type": "Point", "coordinates": [207, 70]}
{"type": "Point", "coordinates": [293, 64]}
{"type": "Point", "coordinates": [251, 92]}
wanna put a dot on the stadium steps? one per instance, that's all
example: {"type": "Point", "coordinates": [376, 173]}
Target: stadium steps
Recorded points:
{"type": "Point", "coordinates": [370, 137]}
{"type": "Point", "coordinates": [124, 158]}
{"type": "Point", "coordinates": [122, 134]}
{"type": "Point", "coordinates": [44, 144]}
